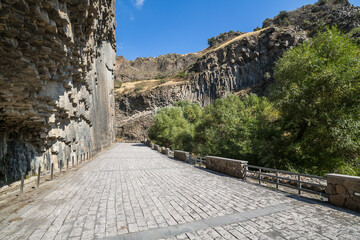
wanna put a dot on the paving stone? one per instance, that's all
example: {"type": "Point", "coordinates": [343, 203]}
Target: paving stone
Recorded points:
{"type": "Point", "coordinates": [132, 191]}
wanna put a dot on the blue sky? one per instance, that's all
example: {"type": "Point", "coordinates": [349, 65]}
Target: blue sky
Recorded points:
{"type": "Point", "coordinates": [148, 28]}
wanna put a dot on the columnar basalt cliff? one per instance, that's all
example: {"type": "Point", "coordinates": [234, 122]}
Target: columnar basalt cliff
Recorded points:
{"type": "Point", "coordinates": [151, 68]}
{"type": "Point", "coordinates": [243, 63]}
{"type": "Point", "coordinates": [57, 79]}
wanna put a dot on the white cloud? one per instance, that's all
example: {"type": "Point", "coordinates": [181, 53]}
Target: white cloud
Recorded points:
{"type": "Point", "coordinates": [138, 3]}
{"type": "Point", "coordinates": [132, 18]}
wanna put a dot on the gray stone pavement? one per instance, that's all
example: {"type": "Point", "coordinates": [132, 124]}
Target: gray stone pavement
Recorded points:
{"type": "Point", "coordinates": [133, 192]}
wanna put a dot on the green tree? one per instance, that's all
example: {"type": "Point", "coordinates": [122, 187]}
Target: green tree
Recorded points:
{"type": "Point", "coordinates": [317, 92]}
{"type": "Point", "coordinates": [174, 126]}
{"type": "Point", "coordinates": [229, 126]}
{"type": "Point", "coordinates": [211, 41]}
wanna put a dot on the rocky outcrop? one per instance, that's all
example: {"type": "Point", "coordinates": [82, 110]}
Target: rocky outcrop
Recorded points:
{"type": "Point", "coordinates": [56, 78]}
{"type": "Point", "coordinates": [235, 64]}
{"type": "Point", "coordinates": [246, 63]}
{"type": "Point", "coordinates": [152, 68]}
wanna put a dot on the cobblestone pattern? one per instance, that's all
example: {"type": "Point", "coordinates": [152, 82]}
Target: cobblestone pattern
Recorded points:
{"type": "Point", "coordinates": [132, 188]}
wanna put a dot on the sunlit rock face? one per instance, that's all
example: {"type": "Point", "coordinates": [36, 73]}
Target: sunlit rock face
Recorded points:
{"type": "Point", "coordinates": [56, 82]}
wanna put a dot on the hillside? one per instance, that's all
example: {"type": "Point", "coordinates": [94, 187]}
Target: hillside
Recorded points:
{"type": "Point", "coordinates": [239, 64]}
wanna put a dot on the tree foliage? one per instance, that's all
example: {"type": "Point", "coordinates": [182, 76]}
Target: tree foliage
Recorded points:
{"type": "Point", "coordinates": [318, 96]}
{"type": "Point", "coordinates": [310, 123]}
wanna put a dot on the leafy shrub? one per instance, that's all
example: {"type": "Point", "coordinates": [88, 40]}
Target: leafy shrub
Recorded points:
{"type": "Point", "coordinates": [322, 2]}
{"type": "Point", "coordinates": [306, 24]}
{"type": "Point", "coordinates": [160, 77]}
{"type": "Point", "coordinates": [139, 87]}
{"type": "Point", "coordinates": [282, 15]}
{"type": "Point", "coordinates": [257, 29]}
{"type": "Point", "coordinates": [284, 22]}
{"type": "Point", "coordinates": [163, 80]}
{"type": "Point", "coordinates": [317, 92]}
{"type": "Point", "coordinates": [181, 74]}
{"type": "Point", "coordinates": [211, 41]}
{"type": "Point", "coordinates": [267, 76]}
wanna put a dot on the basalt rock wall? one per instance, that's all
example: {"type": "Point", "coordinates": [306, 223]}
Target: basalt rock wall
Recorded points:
{"type": "Point", "coordinates": [244, 64]}
{"type": "Point", "coordinates": [57, 80]}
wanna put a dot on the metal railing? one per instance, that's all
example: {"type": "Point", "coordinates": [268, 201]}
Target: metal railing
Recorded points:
{"type": "Point", "coordinates": [197, 160]}
{"type": "Point", "coordinates": [301, 182]}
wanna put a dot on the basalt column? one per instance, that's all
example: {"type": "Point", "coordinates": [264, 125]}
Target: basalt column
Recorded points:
{"type": "Point", "coordinates": [56, 82]}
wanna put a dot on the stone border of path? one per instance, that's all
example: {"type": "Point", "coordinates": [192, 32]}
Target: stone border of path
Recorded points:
{"type": "Point", "coordinates": [343, 190]}
{"type": "Point", "coordinates": [205, 223]}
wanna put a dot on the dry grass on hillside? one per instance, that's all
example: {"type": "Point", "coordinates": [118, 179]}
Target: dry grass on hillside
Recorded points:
{"type": "Point", "coordinates": [226, 43]}
{"type": "Point", "coordinates": [147, 85]}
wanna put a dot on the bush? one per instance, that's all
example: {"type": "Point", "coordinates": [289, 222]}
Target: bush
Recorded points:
{"type": "Point", "coordinates": [139, 87]}
{"type": "Point", "coordinates": [181, 74]}
{"type": "Point", "coordinates": [317, 92]}
{"type": "Point", "coordinates": [282, 15]}
{"type": "Point", "coordinates": [306, 24]}
{"type": "Point", "coordinates": [160, 77]}
{"type": "Point", "coordinates": [322, 2]}
{"type": "Point", "coordinates": [284, 22]}
{"type": "Point", "coordinates": [257, 29]}
{"type": "Point", "coordinates": [211, 41]}
{"type": "Point", "coordinates": [174, 126]}
{"type": "Point", "coordinates": [163, 80]}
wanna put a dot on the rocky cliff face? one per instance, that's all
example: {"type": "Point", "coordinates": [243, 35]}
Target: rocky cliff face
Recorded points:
{"type": "Point", "coordinates": [238, 65]}
{"type": "Point", "coordinates": [56, 73]}
{"type": "Point", "coordinates": [151, 68]}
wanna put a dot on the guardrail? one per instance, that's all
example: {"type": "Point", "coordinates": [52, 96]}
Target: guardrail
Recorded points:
{"type": "Point", "coordinates": [197, 160]}
{"type": "Point", "coordinates": [339, 190]}
{"type": "Point", "coordinates": [301, 182]}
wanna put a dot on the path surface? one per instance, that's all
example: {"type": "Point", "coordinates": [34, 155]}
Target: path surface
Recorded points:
{"type": "Point", "coordinates": [133, 192]}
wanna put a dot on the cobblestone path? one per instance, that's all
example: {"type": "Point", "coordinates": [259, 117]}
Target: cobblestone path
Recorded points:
{"type": "Point", "coordinates": [133, 192]}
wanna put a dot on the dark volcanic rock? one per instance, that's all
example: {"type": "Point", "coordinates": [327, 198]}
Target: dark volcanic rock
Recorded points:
{"type": "Point", "coordinates": [56, 76]}
{"type": "Point", "coordinates": [241, 64]}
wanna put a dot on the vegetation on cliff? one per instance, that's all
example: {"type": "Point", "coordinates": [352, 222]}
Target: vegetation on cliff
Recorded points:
{"type": "Point", "coordinates": [310, 123]}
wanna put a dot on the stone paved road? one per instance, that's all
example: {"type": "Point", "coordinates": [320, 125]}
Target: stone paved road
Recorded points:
{"type": "Point", "coordinates": [133, 192]}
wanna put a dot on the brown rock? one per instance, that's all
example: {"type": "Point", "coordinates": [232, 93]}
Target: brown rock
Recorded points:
{"type": "Point", "coordinates": [352, 186]}
{"type": "Point", "coordinates": [352, 204]}
{"type": "Point", "coordinates": [337, 200]}
{"type": "Point", "coordinates": [340, 190]}
{"type": "Point", "coordinates": [331, 189]}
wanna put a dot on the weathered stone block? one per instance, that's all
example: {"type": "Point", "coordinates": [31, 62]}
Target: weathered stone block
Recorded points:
{"type": "Point", "coordinates": [331, 189]}
{"type": "Point", "coordinates": [181, 155]}
{"type": "Point", "coordinates": [231, 167]}
{"type": "Point", "coordinates": [163, 150]}
{"type": "Point", "coordinates": [340, 190]}
{"type": "Point", "coordinates": [352, 204]}
{"type": "Point", "coordinates": [347, 190]}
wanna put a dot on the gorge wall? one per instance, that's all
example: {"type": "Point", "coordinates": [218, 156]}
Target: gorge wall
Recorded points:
{"type": "Point", "coordinates": [56, 78]}
{"type": "Point", "coordinates": [238, 64]}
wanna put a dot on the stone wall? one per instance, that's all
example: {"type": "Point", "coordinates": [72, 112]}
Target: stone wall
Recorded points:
{"type": "Point", "coordinates": [181, 155]}
{"type": "Point", "coordinates": [344, 191]}
{"type": "Point", "coordinates": [231, 167]}
{"type": "Point", "coordinates": [57, 80]}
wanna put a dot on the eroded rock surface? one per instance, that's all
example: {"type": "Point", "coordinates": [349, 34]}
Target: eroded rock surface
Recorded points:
{"type": "Point", "coordinates": [237, 64]}
{"type": "Point", "coordinates": [151, 68]}
{"type": "Point", "coordinates": [56, 78]}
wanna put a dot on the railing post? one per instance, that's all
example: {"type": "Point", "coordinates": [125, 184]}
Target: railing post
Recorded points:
{"type": "Point", "coordinates": [246, 172]}
{"type": "Point", "coordinates": [38, 176]}
{"type": "Point", "coordinates": [260, 176]}
{"type": "Point", "coordinates": [72, 159]}
{"type": "Point", "coordinates": [52, 172]}
{"type": "Point", "coordinates": [299, 184]}
{"type": "Point", "coordinates": [22, 184]}
{"type": "Point", "coordinates": [277, 180]}
{"type": "Point", "coordinates": [67, 164]}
